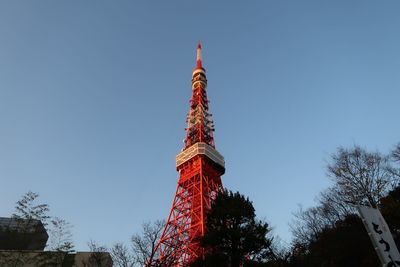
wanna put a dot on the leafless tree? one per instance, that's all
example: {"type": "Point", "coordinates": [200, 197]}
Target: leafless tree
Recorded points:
{"type": "Point", "coordinates": [333, 206]}
{"type": "Point", "coordinates": [395, 170]}
{"type": "Point", "coordinates": [121, 256]}
{"type": "Point", "coordinates": [308, 223]}
{"type": "Point", "coordinates": [99, 258]}
{"type": "Point", "coordinates": [144, 244]}
{"type": "Point", "coordinates": [361, 177]}
{"type": "Point", "coordinates": [60, 235]}
{"type": "Point", "coordinates": [143, 248]}
{"type": "Point", "coordinates": [396, 153]}
{"type": "Point", "coordinates": [169, 258]}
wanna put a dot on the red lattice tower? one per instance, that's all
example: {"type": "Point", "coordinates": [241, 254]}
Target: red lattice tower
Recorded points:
{"type": "Point", "coordinates": [200, 167]}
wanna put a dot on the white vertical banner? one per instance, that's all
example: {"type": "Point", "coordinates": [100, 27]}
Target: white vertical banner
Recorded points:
{"type": "Point", "coordinates": [380, 235]}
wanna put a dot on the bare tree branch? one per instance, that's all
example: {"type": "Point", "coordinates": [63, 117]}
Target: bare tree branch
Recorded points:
{"type": "Point", "coordinates": [144, 244]}
{"type": "Point", "coordinates": [361, 177]}
{"type": "Point", "coordinates": [121, 256]}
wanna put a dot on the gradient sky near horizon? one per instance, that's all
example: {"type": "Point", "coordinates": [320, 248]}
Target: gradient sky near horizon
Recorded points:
{"type": "Point", "coordinates": [94, 94]}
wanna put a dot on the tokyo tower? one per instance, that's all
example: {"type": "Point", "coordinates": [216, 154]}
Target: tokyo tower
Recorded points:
{"type": "Point", "coordinates": [200, 167]}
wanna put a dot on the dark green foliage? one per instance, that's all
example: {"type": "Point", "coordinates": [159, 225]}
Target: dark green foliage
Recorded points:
{"type": "Point", "coordinates": [347, 244]}
{"type": "Point", "coordinates": [390, 209]}
{"type": "Point", "coordinates": [234, 236]}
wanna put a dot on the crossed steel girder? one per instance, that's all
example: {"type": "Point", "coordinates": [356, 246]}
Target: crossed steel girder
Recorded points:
{"type": "Point", "coordinates": [198, 185]}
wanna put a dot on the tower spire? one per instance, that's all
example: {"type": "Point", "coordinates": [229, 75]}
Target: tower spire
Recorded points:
{"type": "Point", "coordinates": [198, 58]}
{"type": "Point", "coordinates": [200, 126]}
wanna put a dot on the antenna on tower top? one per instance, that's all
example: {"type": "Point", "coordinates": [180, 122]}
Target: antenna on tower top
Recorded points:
{"type": "Point", "coordinates": [198, 60]}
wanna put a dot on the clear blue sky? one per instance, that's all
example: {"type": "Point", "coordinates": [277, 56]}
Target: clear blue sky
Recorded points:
{"type": "Point", "coordinates": [94, 94]}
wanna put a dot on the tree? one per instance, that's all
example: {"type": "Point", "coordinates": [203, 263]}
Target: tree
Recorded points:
{"type": "Point", "coordinates": [144, 244]}
{"type": "Point", "coordinates": [331, 234]}
{"type": "Point", "coordinates": [142, 249]}
{"type": "Point", "coordinates": [59, 230]}
{"type": "Point", "coordinates": [395, 157]}
{"type": "Point", "coordinates": [30, 216]}
{"type": "Point", "coordinates": [121, 256]}
{"type": "Point", "coordinates": [360, 177]}
{"type": "Point", "coordinates": [59, 243]}
{"type": "Point", "coordinates": [390, 209]}
{"type": "Point", "coordinates": [308, 223]}
{"type": "Point", "coordinates": [99, 256]}
{"type": "Point", "coordinates": [27, 209]}
{"type": "Point", "coordinates": [333, 204]}
{"type": "Point", "coordinates": [60, 235]}
{"type": "Point", "coordinates": [345, 244]}
{"type": "Point", "coordinates": [396, 153]}
{"type": "Point", "coordinates": [233, 235]}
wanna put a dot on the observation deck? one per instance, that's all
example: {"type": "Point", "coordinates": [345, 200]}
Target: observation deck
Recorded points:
{"type": "Point", "coordinates": [200, 149]}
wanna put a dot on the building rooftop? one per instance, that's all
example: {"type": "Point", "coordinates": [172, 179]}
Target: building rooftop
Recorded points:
{"type": "Point", "coordinates": [22, 234]}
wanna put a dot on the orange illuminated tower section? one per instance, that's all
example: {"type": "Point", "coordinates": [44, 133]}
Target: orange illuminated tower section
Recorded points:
{"type": "Point", "coordinates": [200, 167]}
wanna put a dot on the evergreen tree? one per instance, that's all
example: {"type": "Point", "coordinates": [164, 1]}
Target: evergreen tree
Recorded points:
{"type": "Point", "coordinates": [234, 237]}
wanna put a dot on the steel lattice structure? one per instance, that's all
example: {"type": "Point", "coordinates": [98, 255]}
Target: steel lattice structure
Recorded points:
{"type": "Point", "coordinates": [200, 167]}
